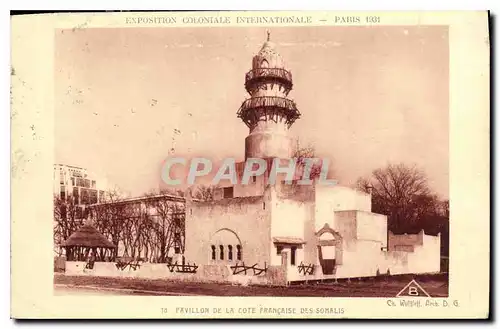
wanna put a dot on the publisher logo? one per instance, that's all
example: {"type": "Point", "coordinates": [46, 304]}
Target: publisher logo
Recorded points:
{"type": "Point", "coordinates": [413, 289]}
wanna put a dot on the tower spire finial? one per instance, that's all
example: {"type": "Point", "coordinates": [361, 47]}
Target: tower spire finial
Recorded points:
{"type": "Point", "coordinates": [268, 35]}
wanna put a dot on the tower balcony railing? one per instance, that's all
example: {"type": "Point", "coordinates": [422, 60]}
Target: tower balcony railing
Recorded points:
{"type": "Point", "coordinates": [255, 107]}
{"type": "Point", "coordinates": [257, 75]}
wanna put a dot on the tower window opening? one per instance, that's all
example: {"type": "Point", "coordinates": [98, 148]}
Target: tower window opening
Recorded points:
{"type": "Point", "coordinates": [279, 249]}
{"type": "Point", "coordinates": [221, 256]}
{"type": "Point", "coordinates": [230, 252]}
{"type": "Point", "coordinates": [238, 252]}
{"type": "Point", "coordinates": [213, 252]}
{"type": "Point", "coordinates": [254, 179]}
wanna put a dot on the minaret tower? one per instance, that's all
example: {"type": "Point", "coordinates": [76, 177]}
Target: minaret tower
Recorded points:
{"type": "Point", "coordinates": [268, 113]}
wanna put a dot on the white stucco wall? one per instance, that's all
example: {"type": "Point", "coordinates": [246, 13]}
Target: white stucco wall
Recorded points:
{"type": "Point", "coordinates": [359, 259]}
{"type": "Point", "coordinates": [211, 273]}
{"type": "Point", "coordinates": [287, 220]}
{"type": "Point", "coordinates": [338, 198]}
{"type": "Point", "coordinates": [405, 239]}
{"type": "Point", "coordinates": [370, 226]}
{"type": "Point", "coordinates": [362, 258]}
{"type": "Point", "coordinates": [426, 257]}
{"type": "Point", "coordinates": [248, 218]}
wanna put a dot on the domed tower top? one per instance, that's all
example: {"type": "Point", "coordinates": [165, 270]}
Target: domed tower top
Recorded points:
{"type": "Point", "coordinates": [268, 57]}
{"type": "Point", "coordinates": [268, 113]}
{"type": "Point", "coordinates": [268, 65]}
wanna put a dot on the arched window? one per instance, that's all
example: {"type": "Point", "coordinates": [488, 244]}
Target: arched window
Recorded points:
{"type": "Point", "coordinates": [264, 64]}
{"type": "Point", "coordinates": [225, 242]}
{"type": "Point", "coordinates": [238, 252]}
{"type": "Point", "coordinates": [213, 252]}
{"type": "Point", "coordinates": [221, 252]}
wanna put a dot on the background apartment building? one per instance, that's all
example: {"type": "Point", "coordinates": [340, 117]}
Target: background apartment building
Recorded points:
{"type": "Point", "coordinates": [79, 183]}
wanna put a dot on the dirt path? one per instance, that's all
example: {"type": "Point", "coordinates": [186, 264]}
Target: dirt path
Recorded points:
{"type": "Point", "coordinates": [78, 290]}
{"type": "Point", "coordinates": [134, 286]}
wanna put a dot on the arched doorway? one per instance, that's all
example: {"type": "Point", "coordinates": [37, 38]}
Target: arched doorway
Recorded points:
{"type": "Point", "coordinates": [329, 243]}
{"type": "Point", "coordinates": [328, 249]}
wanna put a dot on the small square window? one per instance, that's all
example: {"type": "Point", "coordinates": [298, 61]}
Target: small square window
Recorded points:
{"type": "Point", "coordinates": [228, 192]}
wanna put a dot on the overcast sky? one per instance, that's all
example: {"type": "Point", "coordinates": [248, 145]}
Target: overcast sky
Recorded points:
{"type": "Point", "coordinates": [368, 97]}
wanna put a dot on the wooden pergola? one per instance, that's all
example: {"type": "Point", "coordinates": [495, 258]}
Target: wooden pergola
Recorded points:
{"type": "Point", "coordinates": [87, 243]}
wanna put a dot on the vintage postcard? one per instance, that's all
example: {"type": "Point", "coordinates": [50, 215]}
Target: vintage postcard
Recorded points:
{"type": "Point", "coordinates": [250, 165]}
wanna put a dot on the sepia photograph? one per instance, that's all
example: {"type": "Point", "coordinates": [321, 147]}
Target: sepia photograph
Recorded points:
{"type": "Point", "coordinates": [255, 165]}
{"type": "Point", "coordinates": [370, 103]}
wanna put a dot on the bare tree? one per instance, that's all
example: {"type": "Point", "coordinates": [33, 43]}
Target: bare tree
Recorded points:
{"type": "Point", "coordinates": [111, 217]}
{"type": "Point", "coordinates": [167, 222]}
{"type": "Point", "coordinates": [150, 228]}
{"type": "Point", "coordinates": [153, 227]}
{"type": "Point", "coordinates": [68, 217]}
{"type": "Point", "coordinates": [444, 208]}
{"type": "Point", "coordinates": [129, 231]}
{"type": "Point", "coordinates": [170, 191]}
{"type": "Point", "coordinates": [301, 153]}
{"type": "Point", "coordinates": [139, 229]}
{"type": "Point", "coordinates": [203, 192]}
{"type": "Point", "coordinates": [402, 193]}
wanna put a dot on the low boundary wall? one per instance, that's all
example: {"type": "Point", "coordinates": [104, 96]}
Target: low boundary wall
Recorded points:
{"type": "Point", "coordinates": [275, 275]}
